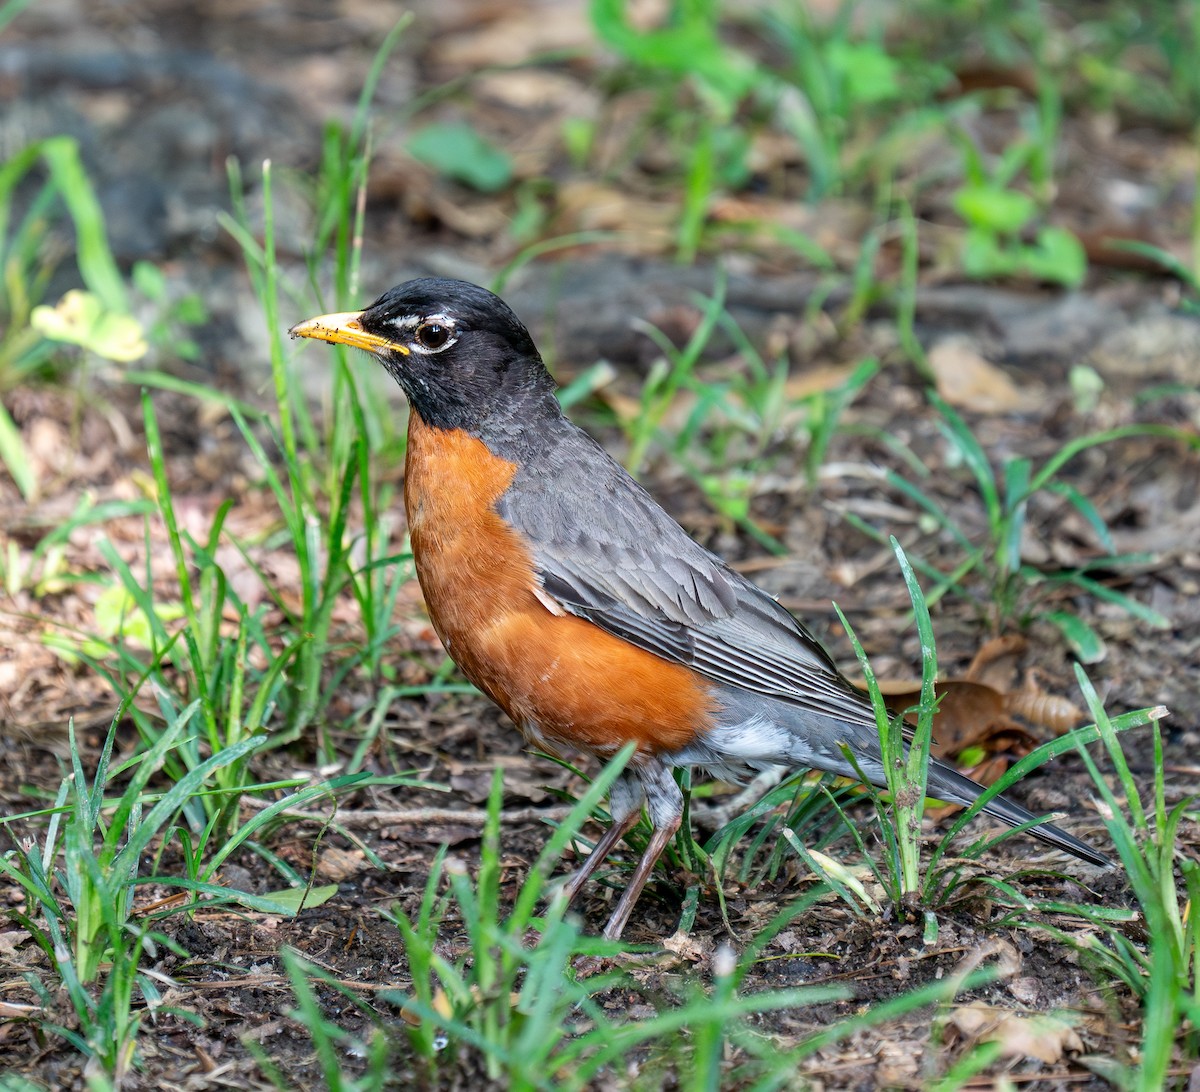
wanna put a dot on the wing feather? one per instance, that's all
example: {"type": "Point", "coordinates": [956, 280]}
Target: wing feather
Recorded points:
{"type": "Point", "coordinates": [605, 551]}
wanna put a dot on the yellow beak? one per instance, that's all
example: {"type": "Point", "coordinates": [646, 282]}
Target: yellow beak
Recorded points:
{"type": "Point", "coordinates": [344, 328]}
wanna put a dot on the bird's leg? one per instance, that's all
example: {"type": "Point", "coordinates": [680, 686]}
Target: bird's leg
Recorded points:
{"type": "Point", "coordinates": [625, 804]}
{"type": "Point", "coordinates": [658, 842]}
{"type": "Point", "coordinates": [664, 801]}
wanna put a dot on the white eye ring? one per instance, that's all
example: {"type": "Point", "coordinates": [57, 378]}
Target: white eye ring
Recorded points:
{"type": "Point", "coordinates": [409, 330]}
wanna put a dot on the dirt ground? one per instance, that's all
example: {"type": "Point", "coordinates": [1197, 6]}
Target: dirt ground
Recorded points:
{"type": "Point", "coordinates": [159, 97]}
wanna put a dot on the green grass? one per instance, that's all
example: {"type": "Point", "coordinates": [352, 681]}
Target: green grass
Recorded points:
{"type": "Point", "coordinates": [741, 423]}
{"type": "Point", "coordinates": [80, 863]}
{"type": "Point", "coordinates": [992, 570]}
{"type": "Point", "coordinates": [1166, 885]}
{"type": "Point", "coordinates": [221, 692]}
{"type": "Point", "coordinates": [28, 259]}
{"type": "Point", "coordinates": [516, 995]}
{"type": "Point", "coordinates": [1007, 234]}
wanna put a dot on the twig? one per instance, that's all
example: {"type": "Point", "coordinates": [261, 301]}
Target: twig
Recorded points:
{"type": "Point", "coordinates": [468, 816]}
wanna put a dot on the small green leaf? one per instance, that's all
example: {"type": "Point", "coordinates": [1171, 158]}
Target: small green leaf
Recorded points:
{"type": "Point", "coordinates": [1057, 256]}
{"type": "Point", "coordinates": [291, 900]}
{"type": "Point", "coordinates": [689, 47]}
{"type": "Point", "coordinates": [191, 310]}
{"type": "Point", "coordinates": [578, 137]}
{"type": "Point", "coordinates": [80, 318]}
{"type": "Point", "coordinates": [117, 614]}
{"type": "Point", "coordinates": [150, 281]}
{"type": "Point", "coordinates": [459, 152]}
{"type": "Point", "coordinates": [999, 210]}
{"type": "Point", "coordinates": [870, 75]}
{"type": "Point", "coordinates": [14, 456]}
{"type": "Point", "coordinates": [984, 257]}
{"type": "Point", "coordinates": [1084, 641]}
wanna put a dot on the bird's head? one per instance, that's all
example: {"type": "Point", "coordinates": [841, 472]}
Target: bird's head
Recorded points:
{"type": "Point", "coordinates": [462, 356]}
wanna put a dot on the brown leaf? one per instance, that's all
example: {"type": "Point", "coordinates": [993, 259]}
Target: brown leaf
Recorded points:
{"type": "Point", "coordinates": [513, 39]}
{"type": "Point", "coordinates": [996, 656]}
{"type": "Point", "coordinates": [336, 864]}
{"type": "Point", "coordinates": [986, 77]}
{"type": "Point", "coordinates": [645, 226]}
{"type": "Point", "coordinates": [1043, 1036]}
{"type": "Point", "coordinates": [972, 714]}
{"type": "Point", "coordinates": [964, 378]}
{"type": "Point", "coordinates": [969, 715]}
{"type": "Point", "coordinates": [818, 380]}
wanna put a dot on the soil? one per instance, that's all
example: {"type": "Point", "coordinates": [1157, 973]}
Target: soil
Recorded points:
{"type": "Point", "coordinates": [158, 98]}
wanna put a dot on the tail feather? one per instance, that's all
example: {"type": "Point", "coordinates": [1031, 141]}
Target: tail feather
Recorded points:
{"type": "Point", "coordinates": [948, 784]}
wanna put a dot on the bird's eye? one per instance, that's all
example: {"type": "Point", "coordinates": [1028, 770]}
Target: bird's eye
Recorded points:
{"type": "Point", "coordinates": [432, 335]}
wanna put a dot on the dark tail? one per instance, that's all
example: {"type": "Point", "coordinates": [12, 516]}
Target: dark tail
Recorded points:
{"type": "Point", "coordinates": [949, 785]}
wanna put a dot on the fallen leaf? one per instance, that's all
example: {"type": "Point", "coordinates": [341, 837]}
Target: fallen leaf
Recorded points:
{"type": "Point", "coordinates": [996, 656]}
{"type": "Point", "coordinates": [14, 1010]}
{"type": "Point", "coordinates": [977, 721]}
{"type": "Point", "coordinates": [969, 715]}
{"type": "Point", "coordinates": [1043, 1036]}
{"type": "Point", "coordinates": [646, 226]}
{"type": "Point", "coordinates": [694, 947]}
{"type": "Point", "coordinates": [964, 378]}
{"type": "Point", "coordinates": [336, 864]}
{"type": "Point", "coordinates": [819, 380]}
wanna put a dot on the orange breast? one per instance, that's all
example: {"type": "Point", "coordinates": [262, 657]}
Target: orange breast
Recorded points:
{"type": "Point", "coordinates": [561, 678]}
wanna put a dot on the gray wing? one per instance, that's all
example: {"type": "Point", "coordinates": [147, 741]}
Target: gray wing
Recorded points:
{"type": "Point", "coordinates": [605, 551]}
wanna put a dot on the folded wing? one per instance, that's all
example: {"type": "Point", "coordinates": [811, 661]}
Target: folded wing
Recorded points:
{"type": "Point", "coordinates": [639, 576]}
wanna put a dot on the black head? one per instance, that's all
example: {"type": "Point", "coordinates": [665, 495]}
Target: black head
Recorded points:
{"type": "Point", "coordinates": [462, 356]}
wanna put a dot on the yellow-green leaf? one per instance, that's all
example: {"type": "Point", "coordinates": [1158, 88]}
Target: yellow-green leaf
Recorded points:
{"type": "Point", "coordinates": [79, 318]}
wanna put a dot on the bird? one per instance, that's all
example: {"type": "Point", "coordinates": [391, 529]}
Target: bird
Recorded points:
{"type": "Point", "coordinates": [565, 593]}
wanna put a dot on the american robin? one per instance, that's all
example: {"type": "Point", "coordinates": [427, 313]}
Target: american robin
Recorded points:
{"type": "Point", "coordinates": [566, 594]}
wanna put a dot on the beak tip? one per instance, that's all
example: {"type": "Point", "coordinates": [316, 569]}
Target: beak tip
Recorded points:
{"type": "Point", "coordinates": [343, 329]}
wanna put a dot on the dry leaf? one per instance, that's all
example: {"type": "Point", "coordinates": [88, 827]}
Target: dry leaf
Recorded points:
{"type": "Point", "coordinates": [694, 947]}
{"type": "Point", "coordinates": [994, 663]}
{"type": "Point", "coordinates": [14, 1010]}
{"type": "Point", "coordinates": [644, 226]}
{"type": "Point", "coordinates": [1043, 1036]}
{"type": "Point", "coordinates": [514, 39]}
{"type": "Point", "coordinates": [973, 715]}
{"type": "Point", "coordinates": [336, 864]}
{"type": "Point", "coordinates": [964, 378]}
{"type": "Point", "coordinates": [969, 715]}
{"type": "Point", "coordinates": [818, 380]}
{"type": "Point", "coordinates": [441, 1005]}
